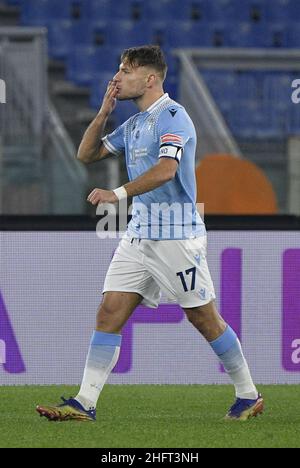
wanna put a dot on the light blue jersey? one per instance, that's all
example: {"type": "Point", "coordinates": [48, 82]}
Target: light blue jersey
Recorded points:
{"type": "Point", "coordinates": [164, 130]}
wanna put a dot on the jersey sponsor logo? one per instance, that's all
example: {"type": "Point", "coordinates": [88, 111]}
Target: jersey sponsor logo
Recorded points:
{"type": "Point", "coordinates": [136, 154]}
{"type": "Point", "coordinates": [197, 258]}
{"type": "Point", "coordinates": [171, 138]}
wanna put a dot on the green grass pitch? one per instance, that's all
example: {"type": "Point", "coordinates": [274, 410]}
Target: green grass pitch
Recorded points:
{"type": "Point", "coordinates": [151, 416]}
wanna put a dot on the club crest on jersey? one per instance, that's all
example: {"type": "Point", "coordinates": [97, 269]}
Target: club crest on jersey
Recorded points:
{"type": "Point", "coordinates": [151, 124]}
{"type": "Point", "coordinates": [202, 293]}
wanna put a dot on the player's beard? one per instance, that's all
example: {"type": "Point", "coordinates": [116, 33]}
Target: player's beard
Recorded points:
{"type": "Point", "coordinates": [130, 98]}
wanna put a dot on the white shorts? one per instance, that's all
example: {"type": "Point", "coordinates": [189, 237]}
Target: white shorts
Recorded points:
{"type": "Point", "coordinates": [178, 268]}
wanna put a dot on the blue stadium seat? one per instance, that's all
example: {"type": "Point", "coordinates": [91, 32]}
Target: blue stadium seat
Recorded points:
{"type": "Point", "coordinates": [61, 10]}
{"type": "Point", "coordinates": [185, 34]}
{"type": "Point", "coordinates": [261, 34]}
{"type": "Point", "coordinates": [252, 119]}
{"type": "Point", "coordinates": [171, 86]}
{"type": "Point", "coordinates": [293, 36]}
{"type": "Point", "coordinates": [41, 12]}
{"type": "Point", "coordinates": [65, 35]}
{"type": "Point", "coordinates": [80, 66]}
{"type": "Point", "coordinates": [97, 10]}
{"type": "Point", "coordinates": [221, 34]}
{"type": "Point", "coordinates": [277, 88]}
{"type": "Point", "coordinates": [86, 32]}
{"type": "Point", "coordinates": [236, 10]}
{"type": "Point", "coordinates": [195, 34]}
{"type": "Point", "coordinates": [128, 33]}
{"type": "Point", "coordinates": [160, 10]}
{"type": "Point", "coordinates": [222, 84]}
{"type": "Point", "coordinates": [240, 120]}
{"type": "Point", "coordinates": [172, 62]}
{"type": "Point", "coordinates": [82, 32]}
{"type": "Point", "coordinates": [85, 62]}
{"type": "Point", "coordinates": [277, 35]}
{"type": "Point", "coordinates": [294, 10]}
{"type": "Point", "coordinates": [278, 11]}
{"type": "Point", "coordinates": [272, 122]}
{"type": "Point", "coordinates": [15, 2]}
{"type": "Point", "coordinates": [253, 11]}
{"type": "Point", "coordinates": [60, 39]}
{"type": "Point", "coordinates": [198, 11]}
{"type": "Point", "coordinates": [243, 35]}
{"type": "Point", "coordinates": [131, 10]}
{"type": "Point", "coordinates": [33, 15]}
{"type": "Point", "coordinates": [158, 33]}
{"type": "Point", "coordinates": [221, 10]}
{"type": "Point", "coordinates": [268, 122]}
{"type": "Point", "coordinates": [293, 125]}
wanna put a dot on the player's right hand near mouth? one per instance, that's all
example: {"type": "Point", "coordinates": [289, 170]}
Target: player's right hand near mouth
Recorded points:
{"type": "Point", "coordinates": [109, 101]}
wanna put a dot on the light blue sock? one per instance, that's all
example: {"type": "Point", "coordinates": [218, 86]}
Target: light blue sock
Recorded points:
{"type": "Point", "coordinates": [101, 359]}
{"type": "Point", "coordinates": [228, 349]}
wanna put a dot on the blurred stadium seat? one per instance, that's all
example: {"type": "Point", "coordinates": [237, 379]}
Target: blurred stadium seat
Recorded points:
{"type": "Point", "coordinates": [87, 61]}
{"type": "Point", "coordinates": [294, 10]}
{"type": "Point", "coordinates": [133, 10]}
{"type": "Point", "coordinates": [279, 11]}
{"type": "Point", "coordinates": [33, 16]}
{"type": "Point", "coordinates": [96, 10]}
{"type": "Point", "coordinates": [184, 34]}
{"type": "Point", "coordinates": [128, 33]}
{"type": "Point", "coordinates": [176, 9]}
{"type": "Point", "coordinates": [83, 34]}
{"type": "Point", "coordinates": [60, 42]}
{"type": "Point", "coordinates": [293, 120]}
{"type": "Point", "coordinates": [14, 2]}
{"type": "Point", "coordinates": [293, 35]}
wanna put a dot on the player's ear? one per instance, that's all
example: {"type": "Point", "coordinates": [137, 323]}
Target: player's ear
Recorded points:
{"type": "Point", "coordinates": [151, 79]}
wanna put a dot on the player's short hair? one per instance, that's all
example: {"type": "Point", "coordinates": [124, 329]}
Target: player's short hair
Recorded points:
{"type": "Point", "coordinates": [146, 55]}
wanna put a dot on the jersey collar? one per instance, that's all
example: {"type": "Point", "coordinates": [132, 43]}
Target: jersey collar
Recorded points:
{"type": "Point", "coordinates": [157, 103]}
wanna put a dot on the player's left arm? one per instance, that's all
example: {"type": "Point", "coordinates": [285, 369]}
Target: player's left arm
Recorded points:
{"type": "Point", "coordinates": [173, 136]}
{"type": "Point", "coordinates": [163, 171]}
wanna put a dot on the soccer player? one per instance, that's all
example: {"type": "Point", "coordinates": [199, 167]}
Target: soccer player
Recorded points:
{"type": "Point", "coordinates": [164, 248]}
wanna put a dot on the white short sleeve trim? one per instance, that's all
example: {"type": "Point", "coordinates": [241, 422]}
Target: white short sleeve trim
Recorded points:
{"type": "Point", "coordinates": [110, 147]}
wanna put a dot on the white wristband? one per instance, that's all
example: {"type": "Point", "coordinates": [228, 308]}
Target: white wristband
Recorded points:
{"type": "Point", "coordinates": [120, 192]}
